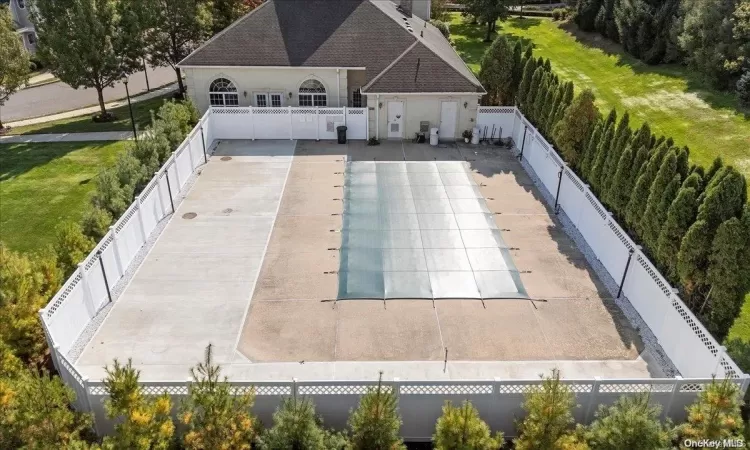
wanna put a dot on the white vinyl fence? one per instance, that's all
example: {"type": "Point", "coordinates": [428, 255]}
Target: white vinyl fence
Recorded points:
{"type": "Point", "coordinates": [694, 352]}
{"type": "Point", "coordinates": [690, 347]}
{"type": "Point", "coordinates": [288, 122]}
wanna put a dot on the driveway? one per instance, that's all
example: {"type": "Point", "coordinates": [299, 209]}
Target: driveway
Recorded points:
{"type": "Point", "coordinates": [59, 97]}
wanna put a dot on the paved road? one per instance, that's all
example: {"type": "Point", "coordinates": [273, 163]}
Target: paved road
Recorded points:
{"type": "Point", "coordinates": [68, 137]}
{"type": "Point", "coordinates": [59, 97]}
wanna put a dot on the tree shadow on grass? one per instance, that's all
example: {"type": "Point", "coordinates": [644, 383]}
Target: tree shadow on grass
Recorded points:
{"type": "Point", "coordinates": [17, 159]}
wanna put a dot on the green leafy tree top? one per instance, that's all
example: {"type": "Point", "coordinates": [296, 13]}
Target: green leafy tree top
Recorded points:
{"type": "Point", "coordinates": [496, 71]}
{"type": "Point", "coordinates": [630, 423]}
{"type": "Point", "coordinates": [295, 427]}
{"type": "Point", "coordinates": [376, 423]}
{"type": "Point", "coordinates": [213, 416]}
{"type": "Point", "coordinates": [571, 132]}
{"type": "Point", "coordinates": [715, 414]}
{"type": "Point", "coordinates": [14, 60]}
{"type": "Point", "coordinates": [461, 428]}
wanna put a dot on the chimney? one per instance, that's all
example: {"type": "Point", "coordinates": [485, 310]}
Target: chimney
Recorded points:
{"type": "Point", "coordinates": [405, 6]}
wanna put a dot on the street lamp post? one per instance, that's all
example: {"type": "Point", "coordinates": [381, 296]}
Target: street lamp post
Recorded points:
{"type": "Point", "coordinates": [130, 107]}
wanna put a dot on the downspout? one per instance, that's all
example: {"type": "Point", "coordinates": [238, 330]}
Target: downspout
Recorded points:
{"type": "Point", "coordinates": [377, 117]}
{"type": "Point", "coordinates": [338, 85]}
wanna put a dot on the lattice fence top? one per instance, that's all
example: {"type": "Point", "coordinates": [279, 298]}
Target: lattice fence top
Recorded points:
{"type": "Point", "coordinates": [126, 217]}
{"type": "Point", "coordinates": [574, 179]}
{"type": "Point", "coordinates": [596, 206]}
{"type": "Point", "coordinates": [620, 235]}
{"type": "Point", "coordinates": [496, 110]}
{"type": "Point", "coordinates": [446, 389]}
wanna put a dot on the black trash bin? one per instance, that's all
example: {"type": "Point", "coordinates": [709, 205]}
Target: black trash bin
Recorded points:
{"type": "Point", "coordinates": [342, 134]}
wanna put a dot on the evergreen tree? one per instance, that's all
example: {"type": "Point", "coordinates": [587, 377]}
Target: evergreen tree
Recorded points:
{"type": "Point", "coordinates": [555, 96]}
{"type": "Point", "coordinates": [518, 65]}
{"type": "Point", "coordinates": [611, 118]}
{"type": "Point", "coordinates": [461, 428]}
{"type": "Point", "coordinates": [375, 424]}
{"type": "Point", "coordinates": [622, 136]}
{"type": "Point", "coordinates": [716, 165]}
{"type": "Point", "coordinates": [724, 198]}
{"type": "Point", "coordinates": [692, 260]}
{"type": "Point", "coordinates": [728, 273]}
{"type": "Point", "coordinates": [586, 12]}
{"type": "Point", "coordinates": [680, 216]}
{"type": "Point", "coordinates": [548, 415]}
{"type": "Point", "coordinates": [590, 154]}
{"type": "Point", "coordinates": [620, 190]}
{"type": "Point", "coordinates": [715, 415]}
{"type": "Point", "coordinates": [650, 225]}
{"type": "Point", "coordinates": [695, 181]}
{"type": "Point", "coordinates": [14, 59]}
{"type": "Point", "coordinates": [143, 423]}
{"type": "Point", "coordinates": [539, 99]}
{"type": "Point", "coordinates": [295, 426]}
{"type": "Point", "coordinates": [572, 131]}
{"type": "Point", "coordinates": [523, 90]}
{"type": "Point", "coordinates": [566, 101]}
{"type": "Point", "coordinates": [547, 65]}
{"type": "Point", "coordinates": [630, 423]}
{"type": "Point", "coordinates": [546, 104]}
{"type": "Point", "coordinates": [496, 72]}
{"type": "Point", "coordinates": [597, 167]}
{"type": "Point", "coordinates": [71, 246]}
{"type": "Point", "coordinates": [215, 418]}
{"type": "Point", "coordinates": [534, 87]}
{"type": "Point", "coordinates": [639, 198]}
{"type": "Point", "coordinates": [640, 159]}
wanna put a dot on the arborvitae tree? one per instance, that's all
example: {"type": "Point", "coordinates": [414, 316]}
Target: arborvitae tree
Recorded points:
{"type": "Point", "coordinates": [642, 137]}
{"type": "Point", "coordinates": [295, 426]}
{"type": "Point", "coordinates": [728, 274]}
{"type": "Point", "coordinates": [143, 423]}
{"type": "Point", "coordinates": [597, 168]}
{"type": "Point", "coordinates": [692, 260]}
{"type": "Point", "coordinates": [611, 118]}
{"type": "Point", "coordinates": [567, 99]}
{"type": "Point", "coordinates": [723, 199]}
{"type": "Point", "coordinates": [650, 225]}
{"type": "Point", "coordinates": [590, 154]}
{"type": "Point", "coordinates": [717, 164]}
{"type": "Point", "coordinates": [518, 63]}
{"type": "Point", "coordinates": [620, 190]}
{"type": "Point", "coordinates": [680, 216]}
{"type": "Point", "coordinates": [683, 164]}
{"type": "Point", "coordinates": [549, 99]}
{"type": "Point", "coordinates": [639, 198]}
{"type": "Point", "coordinates": [547, 65]}
{"type": "Point", "coordinates": [35, 413]}
{"type": "Point", "coordinates": [376, 423]}
{"type": "Point", "coordinates": [622, 136]}
{"type": "Point", "coordinates": [496, 72]}
{"type": "Point", "coordinates": [213, 416]}
{"type": "Point", "coordinates": [536, 82]}
{"type": "Point", "coordinates": [539, 99]}
{"type": "Point", "coordinates": [523, 90]}
{"type": "Point", "coordinates": [549, 415]}
{"type": "Point", "coordinates": [630, 423]}
{"type": "Point", "coordinates": [695, 181]}
{"type": "Point", "coordinates": [461, 428]}
{"type": "Point", "coordinates": [556, 92]}
{"type": "Point", "coordinates": [572, 131]}
{"type": "Point", "coordinates": [586, 12]}
{"type": "Point", "coordinates": [640, 159]}
{"type": "Point", "coordinates": [715, 415]}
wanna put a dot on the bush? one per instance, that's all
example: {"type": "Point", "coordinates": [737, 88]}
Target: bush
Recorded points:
{"type": "Point", "coordinates": [96, 223]}
{"type": "Point", "coordinates": [743, 89]}
{"type": "Point", "coordinates": [560, 13]}
{"type": "Point", "coordinates": [71, 246]}
{"type": "Point", "coordinates": [442, 27]}
{"type": "Point", "coordinates": [461, 427]}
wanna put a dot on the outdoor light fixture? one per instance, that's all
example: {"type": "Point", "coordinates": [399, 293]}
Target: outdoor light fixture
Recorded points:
{"type": "Point", "coordinates": [244, 93]}
{"type": "Point", "coordinates": [290, 95]}
{"type": "Point", "coordinates": [466, 104]}
{"type": "Point", "coordinates": [380, 105]}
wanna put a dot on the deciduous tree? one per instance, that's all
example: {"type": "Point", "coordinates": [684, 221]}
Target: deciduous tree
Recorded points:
{"type": "Point", "coordinates": [572, 131]}
{"type": "Point", "coordinates": [14, 60]}
{"type": "Point", "coordinates": [226, 12]}
{"type": "Point", "coordinates": [461, 428]}
{"type": "Point", "coordinates": [488, 12]}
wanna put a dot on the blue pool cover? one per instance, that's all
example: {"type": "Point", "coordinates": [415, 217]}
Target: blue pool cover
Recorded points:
{"type": "Point", "coordinates": [421, 230]}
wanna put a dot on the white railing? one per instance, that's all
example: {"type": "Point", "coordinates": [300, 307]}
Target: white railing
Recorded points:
{"type": "Point", "coordinates": [420, 402]}
{"type": "Point", "coordinates": [89, 288]}
{"type": "Point", "coordinates": [692, 349]}
{"type": "Point", "coordinates": [288, 122]}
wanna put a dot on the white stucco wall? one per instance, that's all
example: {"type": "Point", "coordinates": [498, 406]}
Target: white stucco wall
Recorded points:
{"type": "Point", "coordinates": [424, 107]}
{"type": "Point", "coordinates": [251, 80]}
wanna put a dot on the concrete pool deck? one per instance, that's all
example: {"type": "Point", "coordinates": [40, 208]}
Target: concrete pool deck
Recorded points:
{"type": "Point", "coordinates": [248, 275]}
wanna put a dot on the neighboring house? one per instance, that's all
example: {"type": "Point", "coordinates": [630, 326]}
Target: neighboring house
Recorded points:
{"type": "Point", "coordinates": [331, 53]}
{"type": "Point", "coordinates": [19, 12]}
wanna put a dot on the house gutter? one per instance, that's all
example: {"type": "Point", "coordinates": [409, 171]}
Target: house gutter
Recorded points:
{"type": "Point", "coordinates": [338, 86]}
{"type": "Point", "coordinates": [377, 116]}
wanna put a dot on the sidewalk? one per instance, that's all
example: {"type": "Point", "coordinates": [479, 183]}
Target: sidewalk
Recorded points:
{"type": "Point", "coordinates": [93, 109]}
{"type": "Point", "coordinates": [68, 137]}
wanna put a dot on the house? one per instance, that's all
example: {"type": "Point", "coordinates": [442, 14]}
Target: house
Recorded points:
{"type": "Point", "coordinates": [379, 54]}
{"type": "Point", "coordinates": [19, 12]}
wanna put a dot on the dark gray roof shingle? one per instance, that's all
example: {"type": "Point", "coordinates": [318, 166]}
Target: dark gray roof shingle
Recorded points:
{"type": "Point", "coordinates": [335, 33]}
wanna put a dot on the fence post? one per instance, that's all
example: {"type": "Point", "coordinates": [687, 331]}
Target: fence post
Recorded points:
{"type": "Point", "coordinates": [252, 120]}
{"type": "Point", "coordinates": [157, 175]}
{"type": "Point", "coordinates": [625, 272]}
{"type": "Point", "coordinates": [294, 387]}
{"type": "Point", "coordinates": [344, 115]}
{"type": "Point", "coordinates": [116, 250]}
{"type": "Point", "coordinates": [50, 340]}
{"type": "Point", "coordinates": [559, 185]}
{"type": "Point", "coordinates": [367, 123]}
{"type": "Point", "coordinates": [523, 143]}
{"type": "Point", "coordinates": [719, 354]}
{"type": "Point", "coordinates": [675, 389]}
{"type": "Point", "coordinates": [104, 274]}
{"type": "Point", "coordinates": [397, 388]}
{"type": "Point", "coordinates": [291, 125]}
{"type": "Point", "coordinates": [86, 400]}
{"type": "Point", "coordinates": [592, 399]}
{"type": "Point", "coordinates": [190, 154]}
{"type": "Point", "coordinates": [88, 297]}
{"type": "Point", "coordinates": [176, 170]}
{"type": "Point", "coordinates": [169, 189]}
{"type": "Point", "coordinates": [317, 123]}
{"type": "Point", "coordinates": [203, 142]}
{"type": "Point", "coordinates": [140, 217]}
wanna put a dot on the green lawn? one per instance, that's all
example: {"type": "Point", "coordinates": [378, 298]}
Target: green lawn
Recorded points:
{"type": "Point", "coordinates": [43, 184]}
{"type": "Point", "coordinates": [141, 112]}
{"type": "Point", "coordinates": [673, 101]}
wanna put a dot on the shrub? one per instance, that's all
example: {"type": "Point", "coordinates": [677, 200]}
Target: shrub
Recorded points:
{"type": "Point", "coordinates": [559, 13]}
{"type": "Point", "coordinates": [442, 27]}
{"type": "Point", "coordinates": [71, 246]}
{"type": "Point", "coordinates": [743, 89]}
{"type": "Point", "coordinates": [631, 422]}
{"type": "Point", "coordinates": [576, 126]}
{"type": "Point", "coordinates": [462, 428]}
{"type": "Point", "coordinates": [295, 426]}
{"type": "Point", "coordinates": [116, 186]}
{"type": "Point", "coordinates": [96, 222]}
{"type": "Point", "coordinates": [715, 415]}
{"type": "Point", "coordinates": [375, 424]}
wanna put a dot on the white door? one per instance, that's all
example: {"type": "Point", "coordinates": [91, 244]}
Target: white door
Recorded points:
{"type": "Point", "coordinates": [395, 119]}
{"type": "Point", "coordinates": [448, 116]}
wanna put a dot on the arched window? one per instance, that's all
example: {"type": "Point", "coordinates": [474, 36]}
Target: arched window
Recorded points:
{"type": "Point", "coordinates": [312, 93]}
{"type": "Point", "coordinates": [222, 92]}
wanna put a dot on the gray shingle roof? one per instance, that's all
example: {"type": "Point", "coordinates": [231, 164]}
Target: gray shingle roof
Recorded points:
{"type": "Point", "coordinates": [338, 33]}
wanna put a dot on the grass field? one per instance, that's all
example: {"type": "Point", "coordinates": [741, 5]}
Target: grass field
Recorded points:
{"type": "Point", "coordinates": [84, 124]}
{"type": "Point", "coordinates": [44, 184]}
{"type": "Point", "coordinates": [669, 97]}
